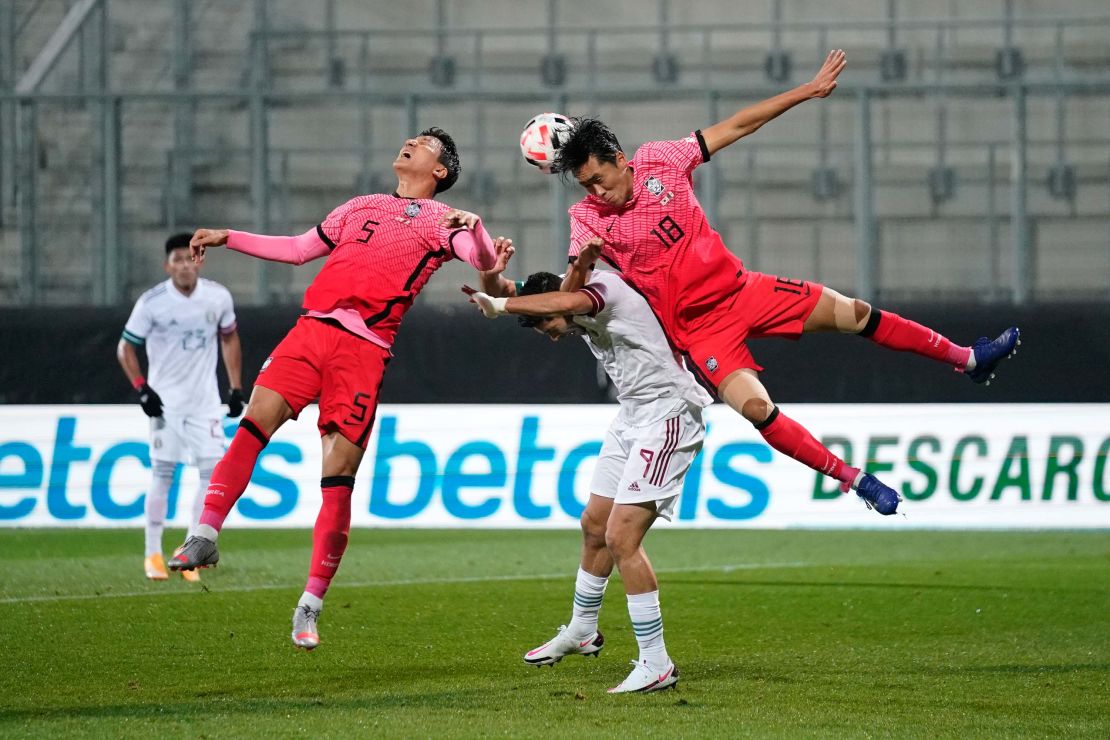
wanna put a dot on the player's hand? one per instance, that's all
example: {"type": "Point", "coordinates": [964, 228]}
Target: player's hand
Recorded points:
{"type": "Point", "coordinates": [204, 238]}
{"type": "Point", "coordinates": [590, 252]}
{"type": "Point", "coordinates": [505, 251]}
{"type": "Point", "coordinates": [234, 402]}
{"type": "Point", "coordinates": [825, 81]}
{"type": "Point", "coordinates": [150, 401]}
{"type": "Point", "coordinates": [491, 307]}
{"type": "Point", "coordinates": [456, 218]}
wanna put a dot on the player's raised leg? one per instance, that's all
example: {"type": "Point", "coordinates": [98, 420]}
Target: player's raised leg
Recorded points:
{"type": "Point", "coordinates": [744, 393]}
{"type": "Point", "coordinates": [835, 312]}
{"type": "Point", "coordinates": [624, 536]}
{"type": "Point", "coordinates": [330, 535]}
{"type": "Point", "coordinates": [205, 467]}
{"type": "Point", "coordinates": [266, 412]}
{"type": "Point", "coordinates": [581, 636]}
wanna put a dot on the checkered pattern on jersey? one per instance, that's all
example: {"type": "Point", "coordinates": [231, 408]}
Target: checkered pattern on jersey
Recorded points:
{"type": "Point", "coordinates": [661, 240]}
{"type": "Point", "coordinates": [384, 250]}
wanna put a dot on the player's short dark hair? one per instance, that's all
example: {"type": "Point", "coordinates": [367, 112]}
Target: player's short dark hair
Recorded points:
{"type": "Point", "coordinates": [589, 137]}
{"type": "Point", "coordinates": [449, 157]}
{"type": "Point", "coordinates": [538, 282]}
{"type": "Point", "coordinates": [177, 241]}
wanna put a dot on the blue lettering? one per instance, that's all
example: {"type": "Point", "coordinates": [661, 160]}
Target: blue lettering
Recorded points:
{"type": "Point", "coordinates": [286, 489]}
{"type": "Point", "coordinates": [756, 488]}
{"type": "Point", "coordinates": [389, 448]}
{"type": "Point", "coordinates": [454, 480]}
{"type": "Point", "coordinates": [567, 500]}
{"type": "Point", "coordinates": [530, 454]}
{"type": "Point", "coordinates": [31, 477]}
{"type": "Point", "coordinates": [65, 452]}
{"type": "Point", "coordinates": [691, 489]}
{"type": "Point", "coordinates": [102, 481]}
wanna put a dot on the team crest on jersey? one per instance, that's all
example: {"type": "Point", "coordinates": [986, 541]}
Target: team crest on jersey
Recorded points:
{"type": "Point", "coordinates": [653, 185]}
{"type": "Point", "coordinates": [412, 210]}
{"type": "Point", "coordinates": [210, 317]}
{"type": "Point", "coordinates": [711, 363]}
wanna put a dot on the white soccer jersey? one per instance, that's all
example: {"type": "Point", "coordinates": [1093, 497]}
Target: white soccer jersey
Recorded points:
{"type": "Point", "coordinates": [624, 335]}
{"type": "Point", "coordinates": [180, 333]}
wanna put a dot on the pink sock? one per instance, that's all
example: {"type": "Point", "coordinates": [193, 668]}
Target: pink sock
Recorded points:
{"type": "Point", "coordinates": [329, 537]}
{"type": "Point", "coordinates": [792, 439]}
{"type": "Point", "coordinates": [232, 473]}
{"type": "Point", "coordinates": [894, 332]}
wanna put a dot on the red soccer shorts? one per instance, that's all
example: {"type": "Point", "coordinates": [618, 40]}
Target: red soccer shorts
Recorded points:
{"type": "Point", "coordinates": [318, 359]}
{"type": "Point", "coordinates": [766, 306]}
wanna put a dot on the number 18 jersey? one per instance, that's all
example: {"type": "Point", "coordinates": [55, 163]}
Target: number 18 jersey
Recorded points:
{"type": "Point", "coordinates": [660, 240]}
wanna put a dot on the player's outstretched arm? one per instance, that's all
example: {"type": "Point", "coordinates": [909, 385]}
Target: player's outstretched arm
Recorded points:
{"type": "Point", "coordinates": [749, 120]}
{"type": "Point", "coordinates": [556, 303]}
{"type": "Point", "coordinates": [583, 265]}
{"type": "Point", "coordinates": [492, 281]}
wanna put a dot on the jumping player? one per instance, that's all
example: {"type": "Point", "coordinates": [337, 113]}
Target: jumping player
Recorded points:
{"type": "Point", "coordinates": [656, 234]}
{"type": "Point", "coordinates": [643, 462]}
{"type": "Point", "coordinates": [178, 322]}
{"type": "Point", "coordinates": [381, 250]}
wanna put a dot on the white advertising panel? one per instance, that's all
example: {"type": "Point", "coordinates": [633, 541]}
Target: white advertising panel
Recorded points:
{"type": "Point", "coordinates": [957, 465]}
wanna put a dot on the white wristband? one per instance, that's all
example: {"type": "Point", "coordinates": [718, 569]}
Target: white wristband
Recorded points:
{"type": "Point", "coordinates": [499, 305]}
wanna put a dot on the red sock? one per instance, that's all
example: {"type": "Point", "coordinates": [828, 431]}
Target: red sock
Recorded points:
{"type": "Point", "coordinates": [232, 473]}
{"type": "Point", "coordinates": [792, 439]}
{"type": "Point", "coordinates": [894, 332]}
{"type": "Point", "coordinates": [329, 537]}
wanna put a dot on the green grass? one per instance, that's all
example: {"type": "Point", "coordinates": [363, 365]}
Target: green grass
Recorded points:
{"type": "Point", "coordinates": [786, 634]}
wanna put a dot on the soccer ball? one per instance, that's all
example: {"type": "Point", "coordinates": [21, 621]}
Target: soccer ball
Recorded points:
{"type": "Point", "coordinates": [541, 139]}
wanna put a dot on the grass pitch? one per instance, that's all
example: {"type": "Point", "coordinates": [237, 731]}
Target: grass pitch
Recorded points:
{"type": "Point", "coordinates": [785, 634]}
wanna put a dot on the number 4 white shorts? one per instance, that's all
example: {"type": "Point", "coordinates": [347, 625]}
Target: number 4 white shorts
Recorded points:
{"type": "Point", "coordinates": [649, 463]}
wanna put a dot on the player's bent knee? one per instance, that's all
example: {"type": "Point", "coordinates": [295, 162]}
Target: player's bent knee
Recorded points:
{"type": "Point", "coordinates": [756, 410]}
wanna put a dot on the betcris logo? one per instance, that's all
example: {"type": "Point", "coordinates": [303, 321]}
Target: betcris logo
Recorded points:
{"type": "Point", "coordinates": [513, 483]}
{"type": "Point", "coordinates": [425, 466]}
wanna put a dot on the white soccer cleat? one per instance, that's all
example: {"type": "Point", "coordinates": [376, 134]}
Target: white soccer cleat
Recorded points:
{"type": "Point", "coordinates": [644, 679]}
{"type": "Point", "coordinates": [562, 645]}
{"type": "Point", "coordinates": [304, 627]}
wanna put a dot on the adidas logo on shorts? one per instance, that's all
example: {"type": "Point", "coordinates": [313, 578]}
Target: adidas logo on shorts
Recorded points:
{"type": "Point", "coordinates": [634, 487]}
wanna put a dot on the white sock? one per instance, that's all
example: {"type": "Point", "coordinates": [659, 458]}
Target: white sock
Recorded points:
{"type": "Point", "coordinates": [204, 468]}
{"type": "Point", "coordinates": [970, 362]}
{"type": "Point", "coordinates": [314, 602]}
{"type": "Point", "coordinates": [647, 623]}
{"type": "Point", "coordinates": [206, 531]}
{"type": "Point", "coordinates": [589, 590]}
{"type": "Point", "coordinates": [156, 500]}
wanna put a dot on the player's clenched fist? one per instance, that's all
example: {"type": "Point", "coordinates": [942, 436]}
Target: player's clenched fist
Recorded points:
{"type": "Point", "coordinates": [204, 238]}
{"type": "Point", "coordinates": [457, 218]}
{"type": "Point", "coordinates": [590, 251]}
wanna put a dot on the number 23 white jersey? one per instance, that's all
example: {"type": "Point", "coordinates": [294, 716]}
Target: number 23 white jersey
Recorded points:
{"type": "Point", "coordinates": [181, 335]}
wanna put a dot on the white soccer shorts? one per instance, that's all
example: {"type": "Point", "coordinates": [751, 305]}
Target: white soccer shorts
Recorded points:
{"type": "Point", "coordinates": [649, 463]}
{"type": "Point", "coordinates": [186, 439]}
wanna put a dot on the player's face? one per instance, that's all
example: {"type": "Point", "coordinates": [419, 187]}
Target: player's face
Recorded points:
{"type": "Point", "coordinates": [420, 156]}
{"type": "Point", "coordinates": [556, 327]}
{"type": "Point", "coordinates": [180, 268]}
{"type": "Point", "coordinates": [610, 181]}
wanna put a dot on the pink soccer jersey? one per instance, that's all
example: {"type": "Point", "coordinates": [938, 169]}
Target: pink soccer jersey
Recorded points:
{"type": "Point", "coordinates": [384, 248]}
{"type": "Point", "coordinates": [660, 240]}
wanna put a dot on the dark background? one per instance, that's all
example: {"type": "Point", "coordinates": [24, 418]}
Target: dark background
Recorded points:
{"type": "Point", "coordinates": [66, 355]}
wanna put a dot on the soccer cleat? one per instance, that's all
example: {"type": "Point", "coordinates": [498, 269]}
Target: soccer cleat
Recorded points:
{"type": "Point", "coordinates": [562, 645]}
{"type": "Point", "coordinates": [988, 353]}
{"type": "Point", "coordinates": [877, 496]}
{"type": "Point", "coordinates": [197, 552]}
{"type": "Point", "coordinates": [192, 576]}
{"type": "Point", "coordinates": [644, 679]}
{"type": "Point", "coordinates": [155, 567]}
{"type": "Point", "coordinates": [304, 627]}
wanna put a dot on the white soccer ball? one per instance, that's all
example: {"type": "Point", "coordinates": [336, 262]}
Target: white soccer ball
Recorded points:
{"type": "Point", "coordinates": [541, 138]}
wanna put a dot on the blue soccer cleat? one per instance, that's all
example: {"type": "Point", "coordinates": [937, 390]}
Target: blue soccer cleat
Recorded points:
{"type": "Point", "coordinates": [877, 496]}
{"type": "Point", "coordinates": [988, 353]}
